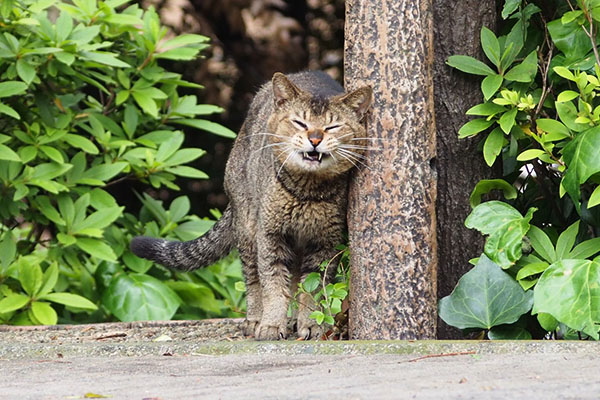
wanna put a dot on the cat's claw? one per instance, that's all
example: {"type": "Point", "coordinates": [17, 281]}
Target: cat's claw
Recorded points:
{"type": "Point", "coordinates": [270, 332]}
{"type": "Point", "coordinates": [314, 332]}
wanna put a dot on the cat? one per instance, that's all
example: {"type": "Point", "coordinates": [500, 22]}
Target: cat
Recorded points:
{"type": "Point", "coordinates": [287, 180]}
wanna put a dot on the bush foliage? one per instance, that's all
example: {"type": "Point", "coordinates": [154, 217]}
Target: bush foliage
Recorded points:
{"type": "Point", "coordinates": [85, 103]}
{"type": "Point", "coordinates": [539, 275]}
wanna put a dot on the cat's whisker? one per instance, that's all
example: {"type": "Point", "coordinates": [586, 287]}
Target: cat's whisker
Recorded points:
{"type": "Point", "coordinates": [267, 134]}
{"type": "Point", "coordinates": [354, 154]}
{"type": "Point", "coordinates": [350, 156]}
{"type": "Point", "coordinates": [366, 138]}
{"type": "Point", "coordinates": [358, 147]}
{"type": "Point", "coordinates": [270, 145]}
{"type": "Point", "coordinates": [286, 160]}
{"type": "Point", "coordinates": [346, 135]}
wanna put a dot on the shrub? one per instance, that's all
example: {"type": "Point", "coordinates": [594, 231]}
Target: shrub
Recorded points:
{"type": "Point", "coordinates": [84, 105]}
{"type": "Point", "coordinates": [538, 275]}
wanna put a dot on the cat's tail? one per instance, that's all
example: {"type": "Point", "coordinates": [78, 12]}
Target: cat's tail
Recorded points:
{"type": "Point", "coordinates": [208, 248]}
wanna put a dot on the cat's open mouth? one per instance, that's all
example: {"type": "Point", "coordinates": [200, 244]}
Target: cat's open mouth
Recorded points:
{"type": "Point", "coordinates": [314, 156]}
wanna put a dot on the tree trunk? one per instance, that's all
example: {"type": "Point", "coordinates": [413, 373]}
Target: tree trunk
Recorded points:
{"type": "Point", "coordinates": [391, 213]}
{"type": "Point", "coordinates": [460, 165]}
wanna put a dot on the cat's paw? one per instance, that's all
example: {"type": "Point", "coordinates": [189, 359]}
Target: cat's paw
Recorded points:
{"type": "Point", "coordinates": [249, 327]}
{"type": "Point", "coordinates": [270, 332]}
{"type": "Point", "coordinates": [309, 330]}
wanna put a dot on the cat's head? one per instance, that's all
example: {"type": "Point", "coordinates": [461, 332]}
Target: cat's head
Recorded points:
{"type": "Point", "coordinates": [324, 136]}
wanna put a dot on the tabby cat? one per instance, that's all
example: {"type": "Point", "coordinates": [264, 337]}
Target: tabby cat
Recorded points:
{"type": "Point", "coordinates": [287, 181]}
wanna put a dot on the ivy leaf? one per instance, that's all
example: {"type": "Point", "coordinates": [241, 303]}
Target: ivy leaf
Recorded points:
{"type": "Point", "coordinates": [505, 227]}
{"type": "Point", "coordinates": [139, 297]}
{"type": "Point", "coordinates": [485, 297]}
{"type": "Point", "coordinates": [569, 291]}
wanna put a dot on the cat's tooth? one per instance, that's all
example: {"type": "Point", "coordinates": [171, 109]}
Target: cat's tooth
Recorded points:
{"type": "Point", "coordinates": [320, 156]}
{"type": "Point", "coordinates": [305, 155]}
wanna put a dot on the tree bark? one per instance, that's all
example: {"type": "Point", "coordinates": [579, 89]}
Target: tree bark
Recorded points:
{"type": "Point", "coordinates": [457, 26]}
{"type": "Point", "coordinates": [391, 213]}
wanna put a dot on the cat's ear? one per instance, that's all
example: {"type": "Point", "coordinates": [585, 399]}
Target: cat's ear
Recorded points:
{"type": "Point", "coordinates": [359, 100]}
{"type": "Point", "coordinates": [283, 89]}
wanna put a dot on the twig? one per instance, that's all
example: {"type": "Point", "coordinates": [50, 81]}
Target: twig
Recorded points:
{"type": "Point", "coordinates": [112, 335]}
{"type": "Point", "coordinates": [462, 353]}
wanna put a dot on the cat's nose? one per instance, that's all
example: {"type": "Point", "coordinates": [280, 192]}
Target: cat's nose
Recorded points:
{"type": "Point", "coordinates": [315, 137]}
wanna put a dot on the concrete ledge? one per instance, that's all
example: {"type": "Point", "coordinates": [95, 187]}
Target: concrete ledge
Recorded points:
{"type": "Point", "coordinates": [46, 350]}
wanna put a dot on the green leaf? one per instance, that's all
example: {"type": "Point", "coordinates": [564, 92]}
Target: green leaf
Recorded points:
{"type": "Point", "coordinates": [104, 58]}
{"type": "Point", "coordinates": [70, 300]}
{"type": "Point", "coordinates": [566, 95]}
{"type": "Point", "coordinates": [491, 47]}
{"type": "Point", "coordinates": [123, 19]}
{"type": "Point", "coordinates": [569, 291]}
{"type": "Point", "coordinates": [104, 172]}
{"type": "Point", "coordinates": [48, 210]}
{"type": "Point", "coordinates": [553, 128]}
{"type": "Point", "coordinates": [469, 65]}
{"type": "Point", "coordinates": [52, 154]}
{"type": "Point", "coordinates": [13, 302]}
{"type": "Point", "coordinates": [99, 219]}
{"type": "Point", "coordinates": [96, 248]}
{"type": "Point", "coordinates": [196, 295]}
{"type": "Point", "coordinates": [524, 72]}
{"type": "Point", "coordinates": [82, 143]}
{"type": "Point", "coordinates": [44, 313]}
{"type": "Point", "coordinates": [594, 199]}
{"type": "Point", "coordinates": [510, 6]}
{"type": "Point", "coordinates": [6, 153]}
{"type": "Point", "coordinates": [485, 297]}
{"type": "Point", "coordinates": [586, 249]}
{"type": "Point", "coordinates": [49, 279]}
{"type": "Point", "coordinates": [30, 275]}
{"type": "Point", "coordinates": [565, 73]}
{"type": "Point", "coordinates": [541, 243]}
{"type": "Point", "coordinates": [25, 71]}
{"type": "Point", "coordinates": [208, 126]}
{"type": "Point", "coordinates": [187, 172]}
{"type": "Point", "coordinates": [530, 154]}
{"type": "Point", "coordinates": [184, 156]}
{"type": "Point", "coordinates": [568, 114]}
{"type": "Point", "coordinates": [493, 146]}
{"type": "Point", "coordinates": [140, 297]}
{"type": "Point", "coordinates": [182, 53]}
{"type": "Point", "coordinates": [11, 88]}
{"type": "Point", "coordinates": [566, 240]}
{"type": "Point", "coordinates": [490, 85]}
{"type": "Point", "coordinates": [136, 264]}
{"type": "Point", "coordinates": [487, 185]}
{"type": "Point", "coordinates": [486, 109]}
{"type": "Point", "coordinates": [547, 322]}
{"type": "Point", "coordinates": [179, 208]}
{"type": "Point", "coordinates": [8, 250]}
{"type": "Point", "coordinates": [318, 316]}
{"type": "Point", "coordinates": [505, 227]}
{"type": "Point", "coordinates": [581, 158]}
{"type": "Point", "coordinates": [507, 120]}
{"type": "Point", "coordinates": [48, 171]}
{"type": "Point", "coordinates": [473, 127]}
{"type": "Point", "coordinates": [4, 109]}
{"type": "Point", "coordinates": [312, 282]}
{"type": "Point", "coordinates": [508, 333]}
{"type": "Point", "coordinates": [147, 104]}
{"type": "Point", "coordinates": [169, 147]}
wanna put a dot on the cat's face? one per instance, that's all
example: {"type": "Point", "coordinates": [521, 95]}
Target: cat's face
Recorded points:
{"type": "Point", "coordinates": [316, 135]}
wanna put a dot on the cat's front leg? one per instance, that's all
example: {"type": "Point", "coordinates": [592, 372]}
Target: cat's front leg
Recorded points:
{"type": "Point", "coordinates": [274, 259]}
